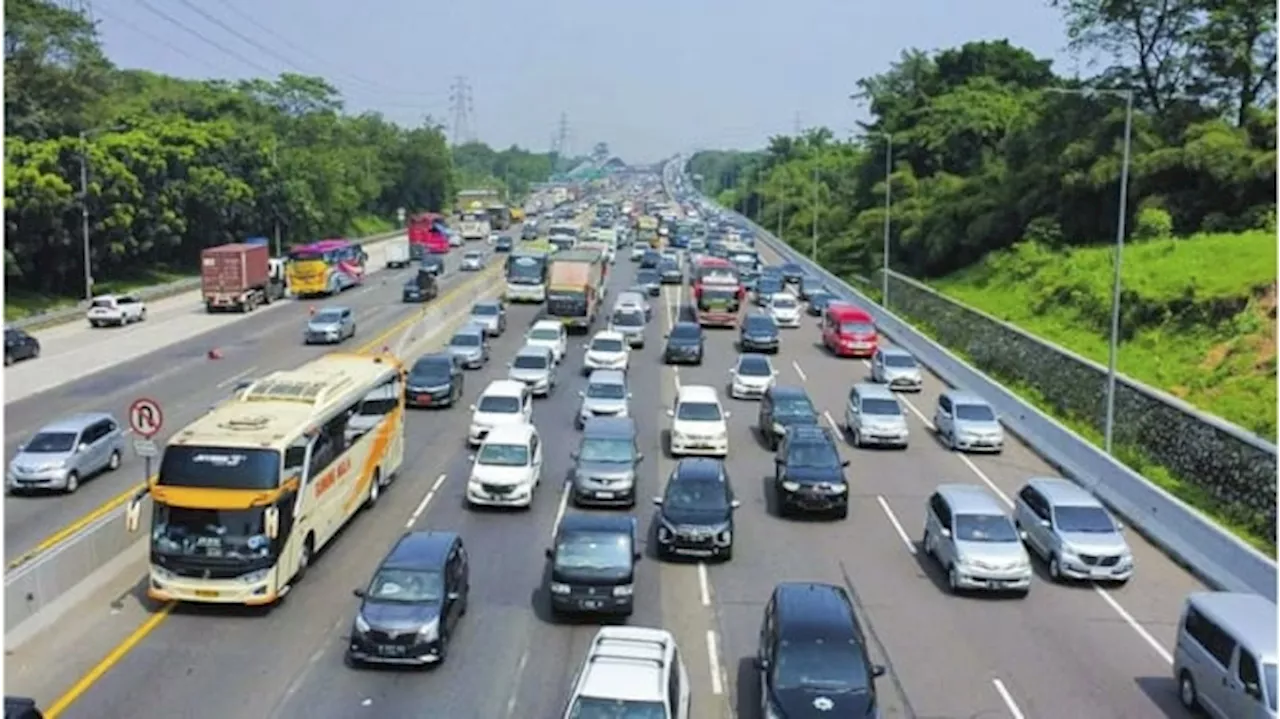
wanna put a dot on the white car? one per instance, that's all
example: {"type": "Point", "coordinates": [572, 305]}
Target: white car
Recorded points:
{"type": "Point", "coordinates": [508, 468]}
{"type": "Point", "coordinates": [698, 422]}
{"type": "Point", "coordinates": [606, 350]}
{"type": "Point", "coordinates": [472, 262]}
{"type": "Point", "coordinates": [504, 402]}
{"type": "Point", "coordinates": [550, 334]}
{"type": "Point", "coordinates": [635, 669]}
{"type": "Point", "coordinates": [633, 300]}
{"type": "Point", "coordinates": [751, 377]}
{"type": "Point", "coordinates": [785, 309]}
{"type": "Point", "coordinates": [455, 240]}
{"type": "Point", "coordinates": [637, 252]}
{"type": "Point", "coordinates": [117, 310]}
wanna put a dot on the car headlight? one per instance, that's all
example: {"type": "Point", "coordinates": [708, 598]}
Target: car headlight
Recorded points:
{"type": "Point", "coordinates": [791, 486]}
{"type": "Point", "coordinates": [558, 588]}
{"type": "Point", "coordinates": [839, 489]}
{"type": "Point", "coordinates": [362, 626]}
{"type": "Point", "coordinates": [429, 631]}
{"type": "Point", "coordinates": [254, 577]}
{"type": "Point", "coordinates": [724, 537]}
{"type": "Point", "coordinates": [623, 590]}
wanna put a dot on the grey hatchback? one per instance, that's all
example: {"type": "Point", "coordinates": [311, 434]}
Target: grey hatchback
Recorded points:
{"type": "Point", "coordinates": [67, 451]}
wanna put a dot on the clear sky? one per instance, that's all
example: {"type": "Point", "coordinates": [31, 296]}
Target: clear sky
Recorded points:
{"type": "Point", "coordinates": [650, 78]}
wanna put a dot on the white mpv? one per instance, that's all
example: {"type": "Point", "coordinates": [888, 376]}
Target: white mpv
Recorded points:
{"type": "Point", "coordinates": [503, 402]}
{"type": "Point", "coordinates": [698, 423]}
{"type": "Point", "coordinates": [507, 469]}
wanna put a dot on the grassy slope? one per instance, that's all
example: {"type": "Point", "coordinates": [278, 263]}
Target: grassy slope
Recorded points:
{"type": "Point", "coordinates": [1200, 316]}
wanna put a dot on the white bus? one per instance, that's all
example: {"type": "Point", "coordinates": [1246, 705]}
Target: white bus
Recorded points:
{"type": "Point", "coordinates": [247, 494]}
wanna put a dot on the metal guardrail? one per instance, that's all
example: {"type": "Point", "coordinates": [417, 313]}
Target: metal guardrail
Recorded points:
{"type": "Point", "coordinates": [76, 312]}
{"type": "Point", "coordinates": [1183, 532]}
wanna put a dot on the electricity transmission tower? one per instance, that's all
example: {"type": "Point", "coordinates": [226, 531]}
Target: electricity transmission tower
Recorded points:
{"type": "Point", "coordinates": [462, 110]}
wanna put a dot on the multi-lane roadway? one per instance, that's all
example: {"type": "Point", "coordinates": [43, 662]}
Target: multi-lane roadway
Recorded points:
{"type": "Point", "coordinates": [1063, 652]}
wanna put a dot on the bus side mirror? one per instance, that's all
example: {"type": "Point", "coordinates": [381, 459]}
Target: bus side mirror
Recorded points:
{"type": "Point", "coordinates": [271, 520]}
{"type": "Point", "coordinates": [133, 514]}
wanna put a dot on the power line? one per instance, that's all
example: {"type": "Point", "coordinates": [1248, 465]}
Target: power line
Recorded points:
{"type": "Point", "coordinates": [159, 40]}
{"type": "Point", "coordinates": [204, 38]}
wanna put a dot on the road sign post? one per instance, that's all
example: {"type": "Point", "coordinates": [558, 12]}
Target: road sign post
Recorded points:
{"type": "Point", "coordinates": [145, 419]}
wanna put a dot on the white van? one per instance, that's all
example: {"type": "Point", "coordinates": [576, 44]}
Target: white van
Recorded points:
{"type": "Point", "coordinates": [698, 422]}
{"type": "Point", "coordinates": [507, 469]}
{"type": "Point", "coordinates": [503, 402]}
{"type": "Point", "coordinates": [1225, 659]}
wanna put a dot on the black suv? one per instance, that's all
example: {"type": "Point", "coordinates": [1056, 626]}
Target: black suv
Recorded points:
{"type": "Point", "coordinates": [422, 286]}
{"type": "Point", "coordinates": [18, 345]}
{"type": "Point", "coordinates": [413, 603]}
{"type": "Point", "coordinates": [809, 473]}
{"type": "Point", "coordinates": [651, 281]}
{"type": "Point", "coordinates": [781, 408]}
{"type": "Point", "coordinates": [813, 658]}
{"type": "Point", "coordinates": [759, 333]}
{"type": "Point", "coordinates": [766, 287]}
{"type": "Point", "coordinates": [695, 512]}
{"type": "Point", "coordinates": [435, 380]}
{"type": "Point", "coordinates": [685, 344]}
{"type": "Point", "coordinates": [650, 260]}
{"type": "Point", "coordinates": [593, 565]}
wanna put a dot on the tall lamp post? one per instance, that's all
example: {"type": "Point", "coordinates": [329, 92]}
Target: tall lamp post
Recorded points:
{"type": "Point", "coordinates": [84, 204]}
{"type": "Point", "coordinates": [813, 253]}
{"type": "Point", "coordinates": [888, 213]}
{"type": "Point", "coordinates": [1113, 349]}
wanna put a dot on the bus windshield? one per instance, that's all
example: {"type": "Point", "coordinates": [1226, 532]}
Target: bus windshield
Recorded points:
{"type": "Point", "coordinates": [235, 534]}
{"type": "Point", "coordinates": [718, 297]}
{"type": "Point", "coordinates": [219, 467]}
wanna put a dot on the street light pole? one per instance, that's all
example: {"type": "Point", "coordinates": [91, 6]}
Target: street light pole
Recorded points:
{"type": "Point", "coordinates": [888, 217]}
{"type": "Point", "coordinates": [84, 216]}
{"type": "Point", "coordinates": [813, 254]}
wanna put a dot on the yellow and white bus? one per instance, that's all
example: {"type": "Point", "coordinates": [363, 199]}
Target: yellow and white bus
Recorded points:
{"type": "Point", "coordinates": [247, 494]}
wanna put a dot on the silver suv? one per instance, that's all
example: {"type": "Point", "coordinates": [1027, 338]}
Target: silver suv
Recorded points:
{"type": "Point", "coordinates": [873, 416]}
{"type": "Point", "coordinates": [897, 368]}
{"type": "Point", "coordinates": [535, 366]}
{"type": "Point", "coordinates": [67, 451]}
{"type": "Point", "coordinates": [606, 395]}
{"type": "Point", "coordinates": [631, 671]}
{"type": "Point", "coordinates": [967, 532]}
{"type": "Point", "coordinates": [965, 422]}
{"type": "Point", "coordinates": [1072, 532]}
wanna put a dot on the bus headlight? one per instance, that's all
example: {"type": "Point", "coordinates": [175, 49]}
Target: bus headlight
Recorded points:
{"type": "Point", "coordinates": [254, 577]}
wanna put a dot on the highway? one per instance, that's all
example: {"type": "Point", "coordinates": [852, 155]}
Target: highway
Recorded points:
{"type": "Point", "coordinates": [184, 381]}
{"type": "Point", "coordinates": [1064, 652]}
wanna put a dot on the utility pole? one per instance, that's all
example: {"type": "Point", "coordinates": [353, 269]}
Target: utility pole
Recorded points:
{"type": "Point", "coordinates": [275, 165]}
{"type": "Point", "coordinates": [814, 253]}
{"type": "Point", "coordinates": [84, 216]}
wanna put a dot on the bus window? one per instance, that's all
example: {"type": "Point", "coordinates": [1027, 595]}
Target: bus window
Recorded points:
{"type": "Point", "coordinates": [376, 405]}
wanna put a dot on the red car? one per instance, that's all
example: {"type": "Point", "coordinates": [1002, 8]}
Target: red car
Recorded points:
{"type": "Point", "coordinates": [848, 331]}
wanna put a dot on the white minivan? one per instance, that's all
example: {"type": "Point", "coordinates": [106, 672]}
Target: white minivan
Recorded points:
{"type": "Point", "coordinates": [1225, 657]}
{"type": "Point", "coordinates": [698, 422]}
{"type": "Point", "coordinates": [503, 402]}
{"type": "Point", "coordinates": [507, 469]}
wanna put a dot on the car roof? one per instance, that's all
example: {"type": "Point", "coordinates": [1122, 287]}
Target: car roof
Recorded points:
{"type": "Point", "coordinates": [595, 522]}
{"type": "Point", "coordinates": [1250, 618]}
{"type": "Point", "coordinates": [959, 396]}
{"type": "Point", "coordinates": [332, 308]}
{"type": "Point", "coordinates": [781, 296]}
{"type": "Point", "coordinates": [966, 498]}
{"type": "Point", "coordinates": [845, 310]}
{"type": "Point", "coordinates": [534, 351]}
{"type": "Point", "coordinates": [693, 469]}
{"type": "Point", "coordinates": [487, 303]}
{"type": "Point", "coordinates": [607, 376]}
{"type": "Point", "coordinates": [75, 422]}
{"type": "Point", "coordinates": [547, 324]}
{"type": "Point", "coordinates": [697, 393]}
{"type": "Point", "coordinates": [469, 329]}
{"type": "Point", "coordinates": [510, 434]}
{"type": "Point", "coordinates": [753, 357]}
{"type": "Point", "coordinates": [809, 434]}
{"type": "Point", "coordinates": [686, 325]}
{"type": "Point", "coordinates": [505, 388]}
{"type": "Point", "coordinates": [628, 664]}
{"type": "Point", "coordinates": [433, 358]}
{"type": "Point", "coordinates": [608, 335]}
{"type": "Point", "coordinates": [609, 427]}
{"type": "Point", "coordinates": [420, 549]}
{"type": "Point", "coordinates": [871, 389]}
{"type": "Point", "coordinates": [892, 350]}
{"type": "Point", "coordinates": [810, 611]}
{"type": "Point", "coordinates": [788, 390]}
{"type": "Point", "coordinates": [1063, 492]}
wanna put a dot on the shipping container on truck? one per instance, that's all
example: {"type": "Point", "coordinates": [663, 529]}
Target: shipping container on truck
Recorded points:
{"type": "Point", "coordinates": [239, 276]}
{"type": "Point", "coordinates": [397, 252]}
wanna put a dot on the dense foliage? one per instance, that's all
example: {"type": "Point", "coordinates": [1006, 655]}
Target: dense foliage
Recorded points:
{"type": "Point", "coordinates": [985, 153]}
{"type": "Point", "coordinates": [176, 165]}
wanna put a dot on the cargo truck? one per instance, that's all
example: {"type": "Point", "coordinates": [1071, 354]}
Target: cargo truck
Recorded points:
{"type": "Point", "coordinates": [398, 254]}
{"type": "Point", "coordinates": [475, 226]}
{"type": "Point", "coordinates": [240, 276]}
{"type": "Point", "coordinates": [575, 286]}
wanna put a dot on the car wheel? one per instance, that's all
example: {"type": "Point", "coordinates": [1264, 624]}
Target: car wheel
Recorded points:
{"type": "Point", "coordinates": [8, 359]}
{"type": "Point", "coordinates": [73, 483]}
{"type": "Point", "coordinates": [1055, 568]}
{"type": "Point", "coordinates": [926, 544]}
{"type": "Point", "coordinates": [142, 316]}
{"type": "Point", "coordinates": [953, 579]}
{"type": "Point", "coordinates": [114, 463]}
{"type": "Point", "coordinates": [1187, 693]}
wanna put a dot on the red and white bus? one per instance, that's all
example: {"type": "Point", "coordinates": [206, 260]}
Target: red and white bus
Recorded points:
{"type": "Point", "coordinates": [718, 293]}
{"type": "Point", "coordinates": [427, 236]}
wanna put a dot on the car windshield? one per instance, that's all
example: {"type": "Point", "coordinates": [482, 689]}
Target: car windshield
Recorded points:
{"type": "Point", "coordinates": [597, 708]}
{"type": "Point", "coordinates": [432, 369]}
{"type": "Point", "coordinates": [50, 442]}
{"type": "Point", "coordinates": [499, 404]}
{"type": "Point", "coordinates": [465, 340]}
{"type": "Point", "coordinates": [984, 528]}
{"type": "Point", "coordinates": [103, 304]}
{"type": "Point", "coordinates": [698, 412]}
{"type": "Point", "coordinates": [545, 334]}
{"type": "Point", "coordinates": [647, 277]}
{"type": "Point", "coordinates": [758, 323]}
{"type": "Point", "coordinates": [769, 285]}
{"type": "Point", "coordinates": [607, 450]}
{"type": "Point", "coordinates": [628, 319]}
{"type": "Point", "coordinates": [782, 302]}
{"type": "Point", "coordinates": [685, 332]}
{"type": "Point", "coordinates": [593, 550]}
{"type": "Point", "coordinates": [695, 494]}
{"type": "Point", "coordinates": [792, 269]}
{"type": "Point", "coordinates": [530, 362]}
{"type": "Point", "coordinates": [975, 412]}
{"type": "Point", "coordinates": [504, 455]}
{"type": "Point", "coordinates": [606, 390]}
{"type": "Point", "coordinates": [899, 361]}
{"type": "Point", "coordinates": [793, 407]}
{"type": "Point", "coordinates": [485, 311]}
{"type": "Point", "coordinates": [881, 407]}
{"type": "Point", "coordinates": [606, 345]}
{"type": "Point", "coordinates": [857, 328]}
{"type": "Point", "coordinates": [325, 317]}
{"type": "Point", "coordinates": [406, 585]}
{"type": "Point", "coordinates": [1091, 520]}
{"type": "Point", "coordinates": [819, 455]}
{"type": "Point", "coordinates": [754, 367]}
{"type": "Point", "coordinates": [821, 665]}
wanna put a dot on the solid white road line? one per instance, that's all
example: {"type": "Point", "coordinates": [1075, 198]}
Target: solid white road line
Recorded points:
{"type": "Point", "coordinates": [831, 421]}
{"type": "Point", "coordinates": [704, 584]}
{"type": "Point", "coordinates": [897, 526]}
{"type": "Point", "coordinates": [1133, 623]}
{"type": "Point", "coordinates": [713, 659]}
{"type": "Point", "coordinates": [1008, 699]}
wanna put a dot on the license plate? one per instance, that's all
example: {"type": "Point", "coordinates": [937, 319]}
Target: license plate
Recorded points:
{"type": "Point", "coordinates": [591, 604]}
{"type": "Point", "coordinates": [207, 593]}
{"type": "Point", "coordinates": [391, 650]}
{"type": "Point", "coordinates": [424, 398]}
{"type": "Point", "coordinates": [604, 495]}
{"type": "Point", "coordinates": [1100, 572]}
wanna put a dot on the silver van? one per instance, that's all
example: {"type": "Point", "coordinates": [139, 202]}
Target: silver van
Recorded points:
{"type": "Point", "coordinates": [1225, 658]}
{"type": "Point", "coordinates": [873, 416]}
{"type": "Point", "coordinates": [967, 532]}
{"type": "Point", "coordinates": [967, 423]}
{"type": "Point", "coordinates": [66, 452]}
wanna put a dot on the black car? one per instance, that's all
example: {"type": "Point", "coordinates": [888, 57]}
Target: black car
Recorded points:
{"type": "Point", "coordinates": [21, 708]}
{"type": "Point", "coordinates": [766, 287]}
{"type": "Point", "coordinates": [809, 285]}
{"type": "Point", "coordinates": [818, 301]}
{"type": "Point", "coordinates": [503, 244]}
{"type": "Point", "coordinates": [18, 345]}
{"type": "Point", "coordinates": [413, 603]}
{"type": "Point", "coordinates": [529, 231]}
{"type": "Point", "coordinates": [650, 260]}
{"type": "Point", "coordinates": [685, 344]}
{"type": "Point", "coordinates": [433, 264]}
{"type": "Point", "coordinates": [759, 333]}
{"type": "Point", "coordinates": [422, 287]}
{"type": "Point", "coordinates": [651, 281]}
{"type": "Point", "coordinates": [812, 658]}
{"type": "Point", "coordinates": [593, 565]}
{"type": "Point", "coordinates": [783, 408]}
{"type": "Point", "coordinates": [670, 273]}
{"type": "Point", "coordinates": [809, 473]}
{"type": "Point", "coordinates": [435, 380]}
{"type": "Point", "coordinates": [792, 273]}
{"type": "Point", "coordinates": [695, 512]}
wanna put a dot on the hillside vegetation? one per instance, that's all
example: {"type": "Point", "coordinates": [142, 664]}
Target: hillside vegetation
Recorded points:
{"type": "Point", "coordinates": [1199, 315]}
{"type": "Point", "coordinates": [178, 165]}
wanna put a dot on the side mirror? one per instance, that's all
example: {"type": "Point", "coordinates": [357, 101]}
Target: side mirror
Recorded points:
{"type": "Point", "coordinates": [473, 408]}
{"type": "Point", "coordinates": [735, 504]}
{"type": "Point", "coordinates": [639, 457]}
{"type": "Point", "coordinates": [844, 463]}
{"type": "Point", "coordinates": [1119, 527]}
{"type": "Point", "coordinates": [548, 553]}
{"type": "Point", "coordinates": [453, 596]}
{"type": "Point", "coordinates": [671, 413]}
{"type": "Point", "coordinates": [82, 446]}
{"type": "Point", "coordinates": [877, 670]}
{"type": "Point", "coordinates": [21, 448]}
{"type": "Point", "coordinates": [657, 501]}
{"type": "Point", "coordinates": [582, 394]}
{"type": "Point", "coordinates": [1253, 690]}
{"type": "Point", "coordinates": [1022, 534]}
{"type": "Point", "coordinates": [133, 514]}
{"type": "Point", "coordinates": [271, 520]}
{"type": "Point", "coordinates": [511, 364]}
{"type": "Point", "coordinates": [636, 556]}
{"type": "Point", "coordinates": [945, 533]}
{"type": "Point", "coordinates": [762, 664]}
{"type": "Point", "coordinates": [1046, 523]}
{"type": "Point", "coordinates": [358, 592]}
{"type": "Point", "coordinates": [471, 458]}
